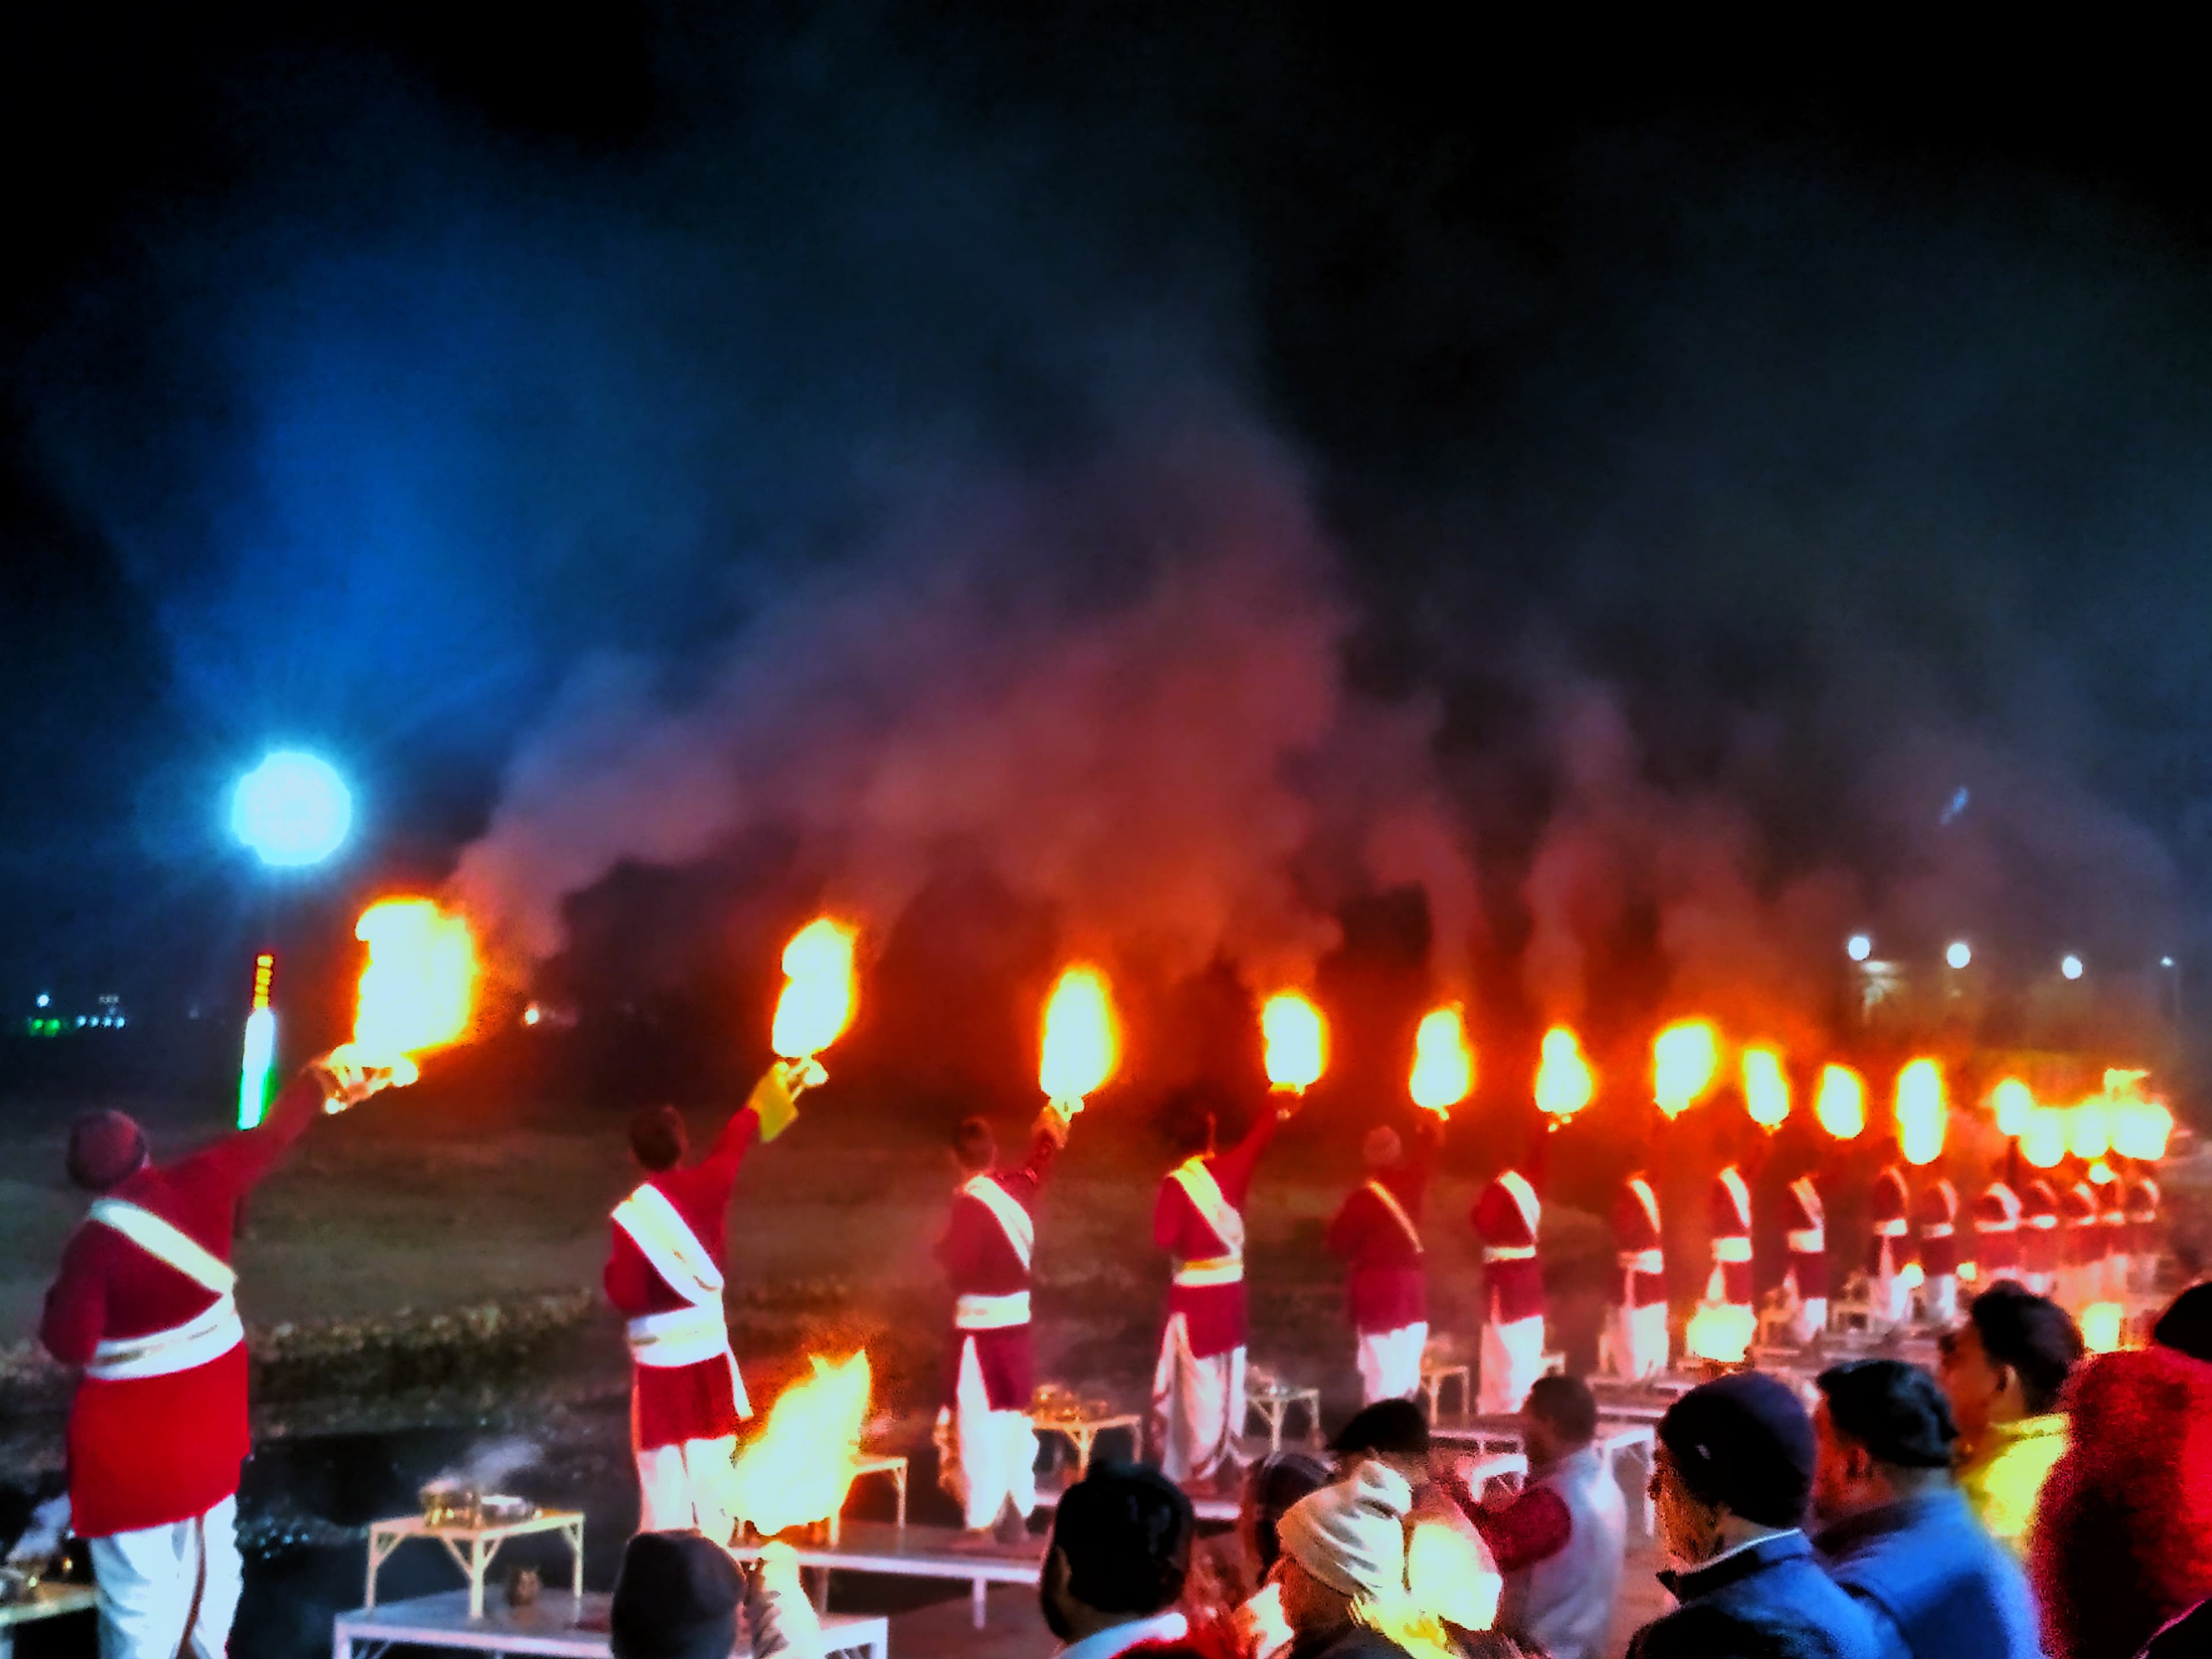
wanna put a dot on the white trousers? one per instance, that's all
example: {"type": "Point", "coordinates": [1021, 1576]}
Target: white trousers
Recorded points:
{"type": "Point", "coordinates": [1197, 1406]}
{"type": "Point", "coordinates": [1637, 1341]}
{"type": "Point", "coordinates": [994, 1453]}
{"type": "Point", "coordinates": [686, 1488]}
{"type": "Point", "coordinates": [1512, 1360]}
{"type": "Point", "coordinates": [1812, 1319]}
{"type": "Point", "coordinates": [1390, 1363]}
{"type": "Point", "coordinates": [157, 1581]}
{"type": "Point", "coordinates": [1942, 1298]}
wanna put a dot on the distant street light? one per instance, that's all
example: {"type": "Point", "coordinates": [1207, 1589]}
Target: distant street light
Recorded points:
{"type": "Point", "coordinates": [1858, 947]}
{"type": "Point", "coordinates": [292, 810]}
{"type": "Point", "coordinates": [1960, 954]}
{"type": "Point", "coordinates": [2070, 965]}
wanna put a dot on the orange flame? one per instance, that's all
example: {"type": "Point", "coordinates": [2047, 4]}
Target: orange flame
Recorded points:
{"type": "Point", "coordinates": [1722, 1332]}
{"type": "Point", "coordinates": [1921, 1111]}
{"type": "Point", "coordinates": [2087, 1132]}
{"type": "Point", "coordinates": [2013, 1101]}
{"type": "Point", "coordinates": [1840, 1105]}
{"type": "Point", "coordinates": [1766, 1088]}
{"type": "Point", "coordinates": [1297, 1042]}
{"type": "Point", "coordinates": [1684, 1058]}
{"type": "Point", "coordinates": [1564, 1082]}
{"type": "Point", "coordinates": [419, 988]}
{"type": "Point", "coordinates": [1452, 1574]}
{"type": "Point", "coordinates": [2140, 1128]}
{"type": "Point", "coordinates": [2103, 1325]}
{"type": "Point", "coordinates": [1444, 1064]}
{"type": "Point", "coordinates": [2043, 1136]}
{"type": "Point", "coordinates": [799, 1468]}
{"type": "Point", "coordinates": [1081, 1047]}
{"type": "Point", "coordinates": [816, 1004]}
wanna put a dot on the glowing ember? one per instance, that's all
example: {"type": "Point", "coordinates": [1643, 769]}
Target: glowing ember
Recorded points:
{"type": "Point", "coordinates": [799, 1468]}
{"type": "Point", "coordinates": [2087, 1132]}
{"type": "Point", "coordinates": [1565, 1083]}
{"type": "Point", "coordinates": [1766, 1088]}
{"type": "Point", "coordinates": [1840, 1103]}
{"type": "Point", "coordinates": [2043, 1136]}
{"type": "Point", "coordinates": [1444, 1064]}
{"type": "Point", "coordinates": [1451, 1575]}
{"type": "Point", "coordinates": [419, 988]}
{"type": "Point", "coordinates": [1080, 1047]}
{"type": "Point", "coordinates": [1921, 1111]}
{"type": "Point", "coordinates": [1720, 1332]}
{"type": "Point", "coordinates": [1297, 1042]}
{"type": "Point", "coordinates": [1684, 1058]}
{"type": "Point", "coordinates": [2013, 1102]}
{"type": "Point", "coordinates": [2101, 1174]}
{"type": "Point", "coordinates": [816, 1004]}
{"type": "Point", "coordinates": [2102, 1323]}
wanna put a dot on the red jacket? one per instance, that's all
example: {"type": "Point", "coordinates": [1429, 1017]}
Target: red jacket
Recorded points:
{"type": "Point", "coordinates": [1890, 1205]}
{"type": "Point", "coordinates": [2078, 1219]}
{"type": "Point", "coordinates": [1214, 1314]}
{"type": "Point", "coordinates": [980, 1259]}
{"type": "Point", "coordinates": [153, 1450]}
{"type": "Point", "coordinates": [2143, 1216]}
{"type": "Point", "coordinates": [1638, 1240]}
{"type": "Point", "coordinates": [1804, 1227]}
{"type": "Point", "coordinates": [1997, 1213]}
{"type": "Point", "coordinates": [1387, 1287]}
{"type": "Point", "coordinates": [1509, 1251]}
{"type": "Point", "coordinates": [2040, 1250]}
{"type": "Point", "coordinates": [1937, 1216]}
{"type": "Point", "coordinates": [1727, 1213]}
{"type": "Point", "coordinates": [671, 1404]}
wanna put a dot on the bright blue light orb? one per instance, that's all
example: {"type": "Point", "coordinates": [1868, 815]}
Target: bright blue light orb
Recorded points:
{"type": "Point", "coordinates": [292, 808]}
{"type": "Point", "coordinates": [44, 999]}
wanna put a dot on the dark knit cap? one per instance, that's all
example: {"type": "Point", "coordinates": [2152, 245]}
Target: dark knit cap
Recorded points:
{"type": "Point", "coordinates": [676, 1598]}
{"type": "Point", "coordinates": [1896, 1411]}
{"type": "Point", "coordinates": [105, 1148]}
{"type": "Point", "coordinates": [1743, 1440]}
{"type": "Point", "coordinates": [1388, 1428]}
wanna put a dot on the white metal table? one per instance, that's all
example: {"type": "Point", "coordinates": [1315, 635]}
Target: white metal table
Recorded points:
{"type": "Point", "coordinates": [473, 1547]}
{"type": "Point", "coordinates": [1433, 1378]}
{"type": "Point", "coordinates": [1275, 1402]}
{"type": "Point", "coordinates": [571, 1626]}
{"type": "Point", "coordinates": [1083, 1431]}
{"type": "Point", "coordinates": [875, 1463]}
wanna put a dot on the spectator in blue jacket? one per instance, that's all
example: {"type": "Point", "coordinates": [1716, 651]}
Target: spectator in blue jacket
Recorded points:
{"type": "Point", "coordinates": [1897, 1533]}
{"type": "Point", "coordinates": [1732, 1473]}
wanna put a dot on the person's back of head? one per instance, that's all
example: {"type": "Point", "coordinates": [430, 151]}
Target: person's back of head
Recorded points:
{"type": "Point", "coordinates": [1119, 1549]}
{"type": "Point", "coordinates": [1884, 1432]}
{"type": "Point", "coordinates": [1274, 1483]}
{"type": "Point", "coordinates": [1381, 1149]}
{"type": "Point", "coordinates": [1562, 1412]}
{"type": "Point", "coordinates": [105, 1148]}
{"type": "Point", "coordinates": [975, 1147]}
{"type": "Point", "coordinates": [656, 1137]}
{"type": "Point", "coordinates": [1739, 1446]}
{"type": "Point", "coordinates": [2186, 1325]}
{"type": "Point", "coordinates": [675, 1597]}
{"type": "Point", "coordinates": [2032, 1336]}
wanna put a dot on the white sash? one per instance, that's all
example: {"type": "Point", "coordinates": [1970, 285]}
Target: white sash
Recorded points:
{"type": "Point", "coordinates": [1807, 1240]}
{"type": "Point", "coordinates": [1013, 1220]}
{"type": "Point", "coordinates": [991, 1313]}
{"type": "Point", "coordinates": [1731, 1249]}
{"type": "Point", "coordinates": [209, 1334]}
{"type": "Point", "coordinates": [669, 1246]}
{"type": "Point", "coordinates": [2143, 1201]}
{"type": "Point", "coordinates": [682, 1336]}
{"type": "Point", "coordinates": [1643, 1261]}
{"type": "Point", "coordinates": [1397, 1213]}
{"type": "Point", "coordinates": [1645, 1196]}
{"type": "Point", "coordinates": [1739, 1195]}
{"type": "Point", "coordinates": [1204, 1193]}
{"type": "Point", "coordinates": [1809, 1196]}
{"type": "Point", "coordinates": [1524, 1200]}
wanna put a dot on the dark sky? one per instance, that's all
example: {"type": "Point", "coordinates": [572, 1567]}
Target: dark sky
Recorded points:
{"type": "Point", "coordinates": [1670, 469]}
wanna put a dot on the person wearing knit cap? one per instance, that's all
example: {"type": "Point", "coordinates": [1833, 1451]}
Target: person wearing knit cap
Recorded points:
{"type": "Point", "coordinates": [144, 1309]}
{"type": "Point", "coordinates": [1343, 1566]}
{"type": "Point", "coordinates": [675, 1597]}
{"type": "Point", "coordinates": [1730, 1479]}
{"type": "Point", "coordinates": [1895, 1532]}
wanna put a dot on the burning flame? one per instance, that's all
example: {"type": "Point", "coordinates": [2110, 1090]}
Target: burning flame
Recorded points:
{"type": "Point", "coordinates": [1450, 1574]}
{"type": "Point", "coordinates": [419, 988]}
{"type": "Point", "coordinates": [1840, 1105]}
{"type": "Point", "coordinates": [1912, 1275]}
{"type": "Point", "coordinates": [1722, 1332]}
{"type": "Point", "coordinates": [1766, 1089]}
{"type": "Point", "coordinates": [2140, 1128]}
{"type": "Point", "coordinates": [1684, 1058]}
{"type": "Point", "coordinates": [800, 1466]}
{"type": "Point", "coordinates": [1444, 1064]}
{"type": "Point", "coordinates": [1081, 1049]}
{"type": "Point", "coordinates": [816, 1004]}
{"type": "Point", "coordinates": [2043, 1136]}
{"type": "Point", "coordinates": [2102, 1326]}
{"type": "Point", "coordinates": [2087, 1134]}
{"type": "Point", "coordinates": [1297, 1042]}
{"type": "Point", "coordinates": [2013, 1101]}
{"type": "Point", "coordinates": [2102, 1174]}
{"type": "Point", "coordinates": [1565, 1083]}
{"type": "Point", "coordinates": [1921, 1111]}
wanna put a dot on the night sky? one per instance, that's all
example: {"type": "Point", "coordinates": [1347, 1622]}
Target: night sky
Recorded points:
{"type": "Point", "coordinates": [1181, 474]}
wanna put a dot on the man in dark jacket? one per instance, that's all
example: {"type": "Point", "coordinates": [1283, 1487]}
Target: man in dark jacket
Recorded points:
{"type": "Point", "coordinates": [1895, 1531]}
{"type": "Point", "coordinates": [1733, 1471]}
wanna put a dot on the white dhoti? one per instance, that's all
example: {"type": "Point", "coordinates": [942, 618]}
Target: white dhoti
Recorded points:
{"type": "Point", "coordinates": [686, 1488]}
{"type": "Point", "coordinates": [994, 1459]}
{"type": "Point", "coordinates": [169, 1591]}
{"type": "Point", "coordinates": [1811, 1318]}
{"type": "Point", "coordinates": [1943, 1299]}
{"type": "Point", "coordinates": [1390, 1363]}
{"type": "Point", "coordinates": [1512, 1360]}
{"type": "Point", "coordinates": [1197, 1406]}
{"type": "Point", "coordinates": [1636, 1341]}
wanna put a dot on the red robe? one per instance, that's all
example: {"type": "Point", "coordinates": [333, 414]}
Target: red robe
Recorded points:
{"type": "Point", "coordinates": [1387, 1287]}
{"type": "Point", "coordinates": [1801, 1220]}
{"type": "Point", "coordinates": [1729, 1214]}
{"type": "Point", "coordinates": [1214, 1314]}
{"type": "Point", "coordinates": [1889, 1204]}
{"type": "Point", "coordinates": [1515, 1281]}
{"type": "Point", "coordinates": [671, 1404]}
{"type": "Point", "coordinates": [2143, 1216]}
{"type": "Point", "coordinates": [150, 1451]}
{"type": "Point", "coordinates": [1996, 1232]}
{"type": "Point", "coordinates": [1937, 1216]}
{"type": "Point", "coordinates": [1636, 1237]}
{"type": "Point", "coordinates": [980, 1259]}
{"type": "Point", "coordinates": [2084, 1232]}
{"type": "Point", "coordinates": [2112, 1201]}
{"type": "Point", "coordinates": [2039, 1251]}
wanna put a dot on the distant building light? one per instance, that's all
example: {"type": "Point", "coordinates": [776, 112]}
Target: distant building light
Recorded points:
{"type": "Point", "coordinates": [44, 999]}
{"type": "Point", "coordinates": [2166, 962]}
{"type": "Point", "coordinates": [1858, 947]}
{"type": "Point", "coordinates": [1960, 954]}
{"type": "Point", "coordinates": [2070, 966]}
{"type": "Point", "coordinates": [80, 1019]}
